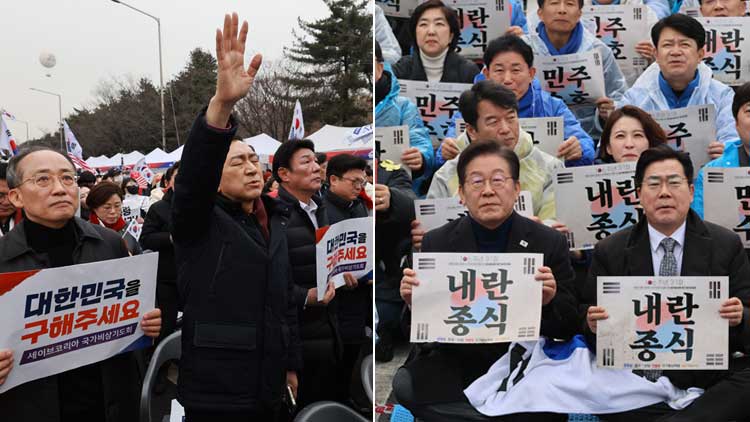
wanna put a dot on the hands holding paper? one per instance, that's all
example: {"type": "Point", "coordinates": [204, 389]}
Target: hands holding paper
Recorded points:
{"type": "Point", "coordinates": [570, 149]}
{"type": "Point", "coordinates": [412, 158]}
{"type": "Point", "coordinates": [6, 362]}
{"type": "Point", "coordinates": [312, 296]}
{"type": "Point", "coordinates": [151, 323]}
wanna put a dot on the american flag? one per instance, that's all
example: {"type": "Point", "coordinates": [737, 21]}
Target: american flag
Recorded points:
{"type": "Point", "coordinates": [140, 179]}
{"type": "Point", "coordinates": [75, 152]}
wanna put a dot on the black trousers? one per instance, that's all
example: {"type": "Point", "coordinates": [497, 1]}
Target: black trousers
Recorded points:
{"type": "Point", "coordinates": [431, 387]}
{"type": "Point", "coordinates": [193, 415]}
{"type": "Point", "coordinates": [725, 400]}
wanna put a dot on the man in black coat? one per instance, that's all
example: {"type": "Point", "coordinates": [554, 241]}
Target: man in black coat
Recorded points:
{"type": "Point", "coordinates": [432, 384]}
{"type": "Point", "coordinates": [394, 211]}
{"type": "Point", "coordinates": [664, 178]}
{"type": "Point", "coordinates": [240, 345]}
{"type": "Point", "coordinates": [42, 182]}
{"type": "Point", "coordinates": [346, 178]}
{"type": "Point", "coordinates": [156, 236]}
{"type": "Point", "coordinates": [298, 173]}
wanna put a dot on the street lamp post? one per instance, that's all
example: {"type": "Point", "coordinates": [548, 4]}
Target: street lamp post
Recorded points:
{"type": "Point", "coordinates": [59, 111]}
{"type": "Point", "coordinates": [27, 128]}
{"type": "Point", "coordinates": [161, 72]}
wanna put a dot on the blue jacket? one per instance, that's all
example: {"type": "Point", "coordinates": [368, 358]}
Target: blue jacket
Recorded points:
{"type": "Point", "coordinates": [517, 15]}
{"type": "Point", "coordinates": [647, 94]}
{"type": "Point", "coordinates": [730, 158]}
{"type": "Point", "coordinates": [395, 110]}
{"type": "Point", "coordinates": [542, 105]}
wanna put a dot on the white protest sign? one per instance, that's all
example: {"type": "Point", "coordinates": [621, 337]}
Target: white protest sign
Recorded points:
{"type": "Point", "coordinates": [726, 199]}
{"type": "Point", "coordinates": [433, 213]}
{"type": "Point", "coordinates": [690, 130]}
{"type": "Point", "coordinates": [726, 41]}
{"type": "Point", "coordinates": [574, 78]}
{"type": "Point", "coordinates": [596, 201]}
{"type": "Point", "coordinates": [436, 101]}
{"type": "Point", "coordinates": [476, 298]}
{"type": "Point", "coordinates": [480, 22]}
{"type": "Point", "coordinates": [59, 319]}
{"type": "Point", "coordinates": [546, 132]}
{"type": "Point", "coordinates": [621, 27]}
{"type": "Point", "coordinates": [132, 206]}
{"type": "Point", "coordinates": [177, 413]}
{"type": "Point", "coordinates": [662, 323]}
{"type": "Point", "coordinates": [398, 8]}
{"type": "Point", "coordinates": [344, 247]}
{"type": "Point", "coordinates": [391, 141]}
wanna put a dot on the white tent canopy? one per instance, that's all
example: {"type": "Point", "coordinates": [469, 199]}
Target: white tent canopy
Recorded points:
{"type": "Point", "coordinates": [132, 158]}
{"type": "Point", "coordinates": [336, 138]}
{"type": "Point", "coordinates": [158, 156]}
{"type": "Point", "coordinates": [263, 144]}
{"type": "Point", "coordinates": [176, 154]}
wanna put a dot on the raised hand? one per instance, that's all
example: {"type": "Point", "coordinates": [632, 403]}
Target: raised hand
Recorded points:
{"type": "Point", "coordinates": [234, 81]}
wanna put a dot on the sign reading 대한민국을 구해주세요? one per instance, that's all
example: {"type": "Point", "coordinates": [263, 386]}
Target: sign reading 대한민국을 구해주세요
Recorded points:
{"type": "Point", "coordinates": [59, 319]}
{"type": "Point", "coordinates": [662, 323]}
{"type": "Point", "coordinates": [344, 247]}
{"type": "Point", "coordinates": [476, 298]}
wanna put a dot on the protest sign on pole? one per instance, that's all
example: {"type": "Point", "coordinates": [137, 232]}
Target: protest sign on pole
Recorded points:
{"type": "Point", "coordinates": [59, 319]}
{"type": "Point", "coordinates": [662, 323]}
{"type": "Point", "coordinates": [398, 8]}
{"type": "Point", "coordinates": [726, 41]}
{"type": "Point", "coordinates": [596, 201]}
{"type": "Point", "coordinates": [546, 132]}
{"type": "Point", "coordinates": [621, 27]}
{"type": "Point", "coordinates": [480, 22]}
{"type": "Point", "coordinates": [726, 199]}
{"type": "Point", "coordinates": [476, 298]}
{"type": "Point", "coordinates": [574, 78]}
{"type": "Point", "coordinates": [344, 247]}
{"type": "Point", "coordinates": [391, 142]}
{"type": "Point", "coordinates": [690, 130]}
{"type": "Point", "coordinates": [433, 213]}
{"type": "Point", "coordinates": [436, 101]}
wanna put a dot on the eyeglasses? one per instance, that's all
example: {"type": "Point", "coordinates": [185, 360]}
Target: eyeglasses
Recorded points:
{"type": "Point", "coordinates": [655, 183]}
{"type": "Point", "coordinates": [44, 180]}
{"type": "Point", "coordinates": [357, 183]}
{"type": "Point", "coordinates": [497, 181]}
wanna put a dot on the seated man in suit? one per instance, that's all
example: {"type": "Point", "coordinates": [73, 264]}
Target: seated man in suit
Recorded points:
{"type": "Point", "coordinates": [431, 385]}
{"type": "Point", "coordinates": [672, 240]}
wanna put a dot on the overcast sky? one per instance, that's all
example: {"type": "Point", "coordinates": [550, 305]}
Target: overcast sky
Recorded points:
{"type": "Point", "coordinates": [96, 40]}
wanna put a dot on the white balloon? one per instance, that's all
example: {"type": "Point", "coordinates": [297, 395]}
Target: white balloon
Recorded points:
{"type": "Point", "coordinates": [47, 59]}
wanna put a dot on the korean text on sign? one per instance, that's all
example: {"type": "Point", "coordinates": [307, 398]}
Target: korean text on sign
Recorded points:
{"type": "Point", "coordinates": [344, 247]}
{"type": "Point", "coordinates": [662, 323]}
{"type": "Point", "coordinates": [437, 102]}
{"type": "Point", "coordinates": [577, 79]}
{"type": "Point", "coordinates": [476, 298]}
{"type": "Point", "coordinates": [726, 199]}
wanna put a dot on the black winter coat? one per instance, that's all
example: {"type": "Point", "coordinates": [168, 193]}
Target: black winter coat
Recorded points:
{"type": "Point", "coordinates": [121, 384]}
{"type": "Point", "coordinates": [155, 236]}
{"type": "Point", "coordinates": [354, 306]}
{"type": "Point", "coordinates": [239, 334]}
{"type": "Point", "coordinates": [455, 68]}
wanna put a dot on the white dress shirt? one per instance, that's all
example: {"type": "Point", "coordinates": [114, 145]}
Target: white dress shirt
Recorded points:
{"type": "Point", "coordinates": [310, 210]}
{"type": "Point", "coordinates": [657, 252]}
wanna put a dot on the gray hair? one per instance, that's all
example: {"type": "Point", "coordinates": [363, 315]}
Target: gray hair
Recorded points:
{"type": "Point", "coordinates": [14, 175]}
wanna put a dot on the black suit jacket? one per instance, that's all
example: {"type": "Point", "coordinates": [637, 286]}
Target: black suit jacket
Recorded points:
{"type": "Point", "coordinates": [559, 317]}
{"type": "Point", "coordinates": [456, 68]}
{"type": "Point", "coordinates": [709, 250]}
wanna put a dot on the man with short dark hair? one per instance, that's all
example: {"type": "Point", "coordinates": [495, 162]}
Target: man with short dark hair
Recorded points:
{"type": "Point", "coordinates": [432, 384]}
{"type": "Point", "coordinates": [298, 174]}
{"type": "Point", "coordinates": [9, 216]}
{"type": "Point", "coordinates": [491, 114]}
{"type": "Point", "coordinates": [672, 240]}
{"type": "Point", "coordinates": [42, 182]}
{"type": "Point", "coordinates": [509, 61]}
{"type": "Point", "coordinates": [679, 78]}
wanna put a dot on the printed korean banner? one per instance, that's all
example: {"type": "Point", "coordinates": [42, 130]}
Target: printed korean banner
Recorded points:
{"type": "Point", "coordinates": [662, 323]}
{"type": "Point", "coordinates": [690, 130]}
{"type": "Point", "coordinates": [344, 247]}
{"type": "Point", "coordinates": [574, 78]}
{"type": "Point", "coordinates": [481, 21]}
{"type": "Point", "coordinates": [436, 101]}
{"type": "Point", "coordinates": [547, 132]}
{"type": "Point", "coordinates": [596, 201]}
{"type": "Point", "coordinates": [476, 298]}
{"type": "Point", "coordinates": [433, 213]}
{"type": "Point", "coordinates": [620, 27]}
{"type": "Point", "coordinates": [726, 41]}
{"type": "Point", "coordinates": [398, 8]}
{"type": "Point", "coordinates": [726, 199]}
{"type": "Point", "coordinates": [391, 141]}
{"type": "Point", "coordinates": [62, 318]}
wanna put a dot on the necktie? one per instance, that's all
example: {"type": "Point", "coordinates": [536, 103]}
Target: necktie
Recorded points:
{"type": "Point", "coordinates": [667, 268]}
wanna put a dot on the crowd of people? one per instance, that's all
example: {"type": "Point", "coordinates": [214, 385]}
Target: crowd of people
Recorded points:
{"type": "Point", "coordinates": [237, 264]}
{"type": "Point", "coordinates": [489, 163]}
